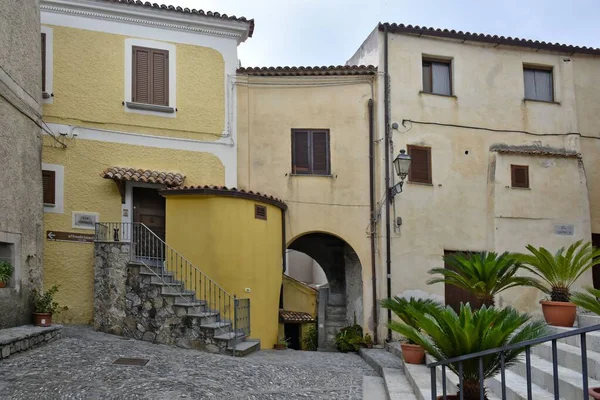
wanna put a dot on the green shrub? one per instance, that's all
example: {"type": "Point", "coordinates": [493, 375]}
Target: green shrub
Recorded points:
{"type": "Point", "coordinates": [44, 302]}
{"type": "Point", "coordinates": [311, 339]}
{"type": "Point", "coordinates": [349, 338]}
{"type": "Point", "coordinates": [6, 270]}
{"type": "Point", "coordinates": [405, 310]}
{"type": "Point", "coordinates": [589, 301]}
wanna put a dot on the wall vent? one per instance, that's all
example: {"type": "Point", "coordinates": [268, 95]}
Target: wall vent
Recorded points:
{"type": "Point", "coordinates": [260, 212]}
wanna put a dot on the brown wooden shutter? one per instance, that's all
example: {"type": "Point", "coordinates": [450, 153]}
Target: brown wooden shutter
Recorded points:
{"type": "Point", "coordinates": [48, 182]}
{"type": "Point", "coordinates": [43, 62]}
{"type": "Point", "coordinates": [160, 77]}
{"type": "Point", "coordinates": [300, 152]}
{"type": "Point", "coordinates": [420, 165]}
{"type": "Point", "coordinates": [260, 212]}
{"type": "Point", "coordinates": [427, 81]}
{"type": "Point", "coordinates": [519, 176]}
{"type": "Point", "coordinates": [320, 152]}
{"type": "Point", "coordinates": [141, 75]}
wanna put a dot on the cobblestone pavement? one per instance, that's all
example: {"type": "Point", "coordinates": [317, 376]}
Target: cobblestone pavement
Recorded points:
{"type": "Point", "coordinates": [79, 366]}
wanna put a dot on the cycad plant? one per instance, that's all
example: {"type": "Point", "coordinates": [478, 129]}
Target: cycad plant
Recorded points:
{"type": "Point", "coordinates": [559, 271]}
{"type": "Point", "coordinates": [483, 274]}
{"type": "Point", "coordinates": [407, 309]}
{"type": "Point", "coordinates": [445, 334]}
{"type": "Point", "coordinates": [589, 301]}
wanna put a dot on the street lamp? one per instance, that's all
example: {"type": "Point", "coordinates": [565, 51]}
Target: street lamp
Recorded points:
{"type": "Point", "coordinates": [401, 165]}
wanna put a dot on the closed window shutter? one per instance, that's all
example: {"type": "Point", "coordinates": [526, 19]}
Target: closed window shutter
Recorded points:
{"type": "Point", "coordinates": [300, 152]}
{"type": "Point", "coordinates": [420, 165]}
{"type": "Point", "coordinates": [320, 153]}
{"type": "Point", "coordinates": [427, 86]}
{"type": "Point", "coordinates": [48, 182]}
{"type": "Point", "coordinates": [519, 176]}
{"type": "Point", "coordinates": [43, 62]}
{"type": "Point", "coordinates": [160, 78]}
{"type": "Point", "coordinates": [141, 75]}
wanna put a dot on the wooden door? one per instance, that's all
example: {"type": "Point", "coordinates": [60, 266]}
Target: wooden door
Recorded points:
{"type": "Point", "coordinates": [149, 209]}
{"type": "Point", "coordinates": [596, 269]}
{"type": "Point", "coordinates": [455, 295]}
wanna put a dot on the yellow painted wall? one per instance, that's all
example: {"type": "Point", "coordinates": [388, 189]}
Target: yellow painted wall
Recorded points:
{"type": "Point", "coordinates": [221, 237]}
{"type": "Point", "coordinates": [299, 297]}
{"type": "Point", "coordinates": [71, 265]}
{"type": "Point", "coordinates": [89, 71]}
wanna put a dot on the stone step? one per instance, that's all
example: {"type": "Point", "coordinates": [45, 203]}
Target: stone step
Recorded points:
{"type": "Point", "coordinates": [379, 359]}
{"type": "Point", "coordinates": [217, 328]}
{"type": "Point", "coordinates": [373, 388]}
{"type": "Point", "coordinates": [592, 338]}
{"type": "Point", "coordinates": [26, 337]}
{"type": "Point", "coordinates": [340, 323]}
{"type": "Point", "coordinates": [230, 337]}
{"type": "Point", "coordinates": [587, 319]}
{"type": "Point", "coordinates": [192, 307]}
{"type": "Point", "coordinates": [150, 262]}
{"type": "Point", "coordinates": [516, 387]}
{"type": "Point", "coordinates": [205, 317]}
{"type": "Point", "coordinates": [170, 288]}
{"type": "Point", "coordinates": [570, 383]}
{"type": "Point", "coordinates": [244, 348]}
{"type": "Point", "coordinates": [166, 279]}
{"type": "Point", "coordinates": [183, 295]}
{"type": "Point", "coordinates": [389, 367]}
{"type": "Point", "coordinates": [570, 357]}
{"type": "Point", "coordinates": [338, 312]}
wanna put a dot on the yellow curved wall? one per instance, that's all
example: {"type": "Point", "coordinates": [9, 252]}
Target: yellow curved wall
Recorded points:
{"type": "Point", "coordinates": [89, 70]}
{"type": "Point", "coordinates": [221, 237]}
{"type": "Point", "coordinates": [71, 265]}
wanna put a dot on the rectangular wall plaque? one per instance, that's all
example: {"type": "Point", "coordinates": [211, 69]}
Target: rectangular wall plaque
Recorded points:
{"type": "Point", "coordinates": [564, 229]}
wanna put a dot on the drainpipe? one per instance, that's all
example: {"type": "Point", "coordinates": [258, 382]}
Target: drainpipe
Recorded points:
{"type": "Point", "coordinates": [388, 251]}
{"type": "Point", "coordinates": [283, 242]}
{"type": "Point", "coordinates": [373, 216]}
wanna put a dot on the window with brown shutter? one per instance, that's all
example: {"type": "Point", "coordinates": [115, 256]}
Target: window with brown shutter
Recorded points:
{"type": "Point", "coordinates": [43, 62]}
{"type": "Point", "coordinates": [49, 184]}
{"type": "Point", "coordinates": [150, 78]}
{"type": "Point", "coordinates": [437, 76]}
{"type": "Point", "coordinates": [420, 165]}
{"type": "Point", "coordinates": [310, 152]}
{"type": "Point", "coordinates": [519, 176]}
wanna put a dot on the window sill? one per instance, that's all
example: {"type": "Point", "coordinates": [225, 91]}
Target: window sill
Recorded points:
{"type": "Point", "coordinates": [149, 107]}
{"type": "Point", "coordinates": [49, 205]}
{"type": "Point", "coordinates": [541, 101]}
{"type": "Point", "coordinates": [518, 188]}
{"type": "Point", "coordinates": [314, 175]}
{"type": "Point", "coordinates": [438, 94]}
{"type": "Point", "coordinates": [46, 95]}
{"type": "Point", "coordinates": [420, 183]}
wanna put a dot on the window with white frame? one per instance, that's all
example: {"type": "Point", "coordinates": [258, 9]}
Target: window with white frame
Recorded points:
{"type": "Point", "coordinates": [53, 180]}
{"type": "Point", "coordinates": [47, 54]}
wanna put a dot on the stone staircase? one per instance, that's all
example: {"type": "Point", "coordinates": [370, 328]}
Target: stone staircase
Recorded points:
{"type": "Point", "coordinates": [570, 382]}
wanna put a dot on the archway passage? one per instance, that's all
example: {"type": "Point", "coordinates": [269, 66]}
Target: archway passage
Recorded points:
{"type": "Point", "coordinates": [341, 302]}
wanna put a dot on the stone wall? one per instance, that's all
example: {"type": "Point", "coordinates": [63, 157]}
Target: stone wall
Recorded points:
{"type": "Point", "coordinates": [20, 157]}
{"type": "Point", "coordinates": [23, 338]}
{"type": "Point", "coordinates": [128, 303]}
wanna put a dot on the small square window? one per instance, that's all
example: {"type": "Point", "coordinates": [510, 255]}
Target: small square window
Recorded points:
{"type": "Point", "coordinates": [310, 152]}
{"type": "Point", "coordinates": [437, 77]}
{"type": "Point", "coordinates": [519, 176]}
{"type": "Point", "coordinates": [538, 83]}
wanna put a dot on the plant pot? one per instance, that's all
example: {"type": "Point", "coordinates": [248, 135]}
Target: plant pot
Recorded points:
{"type": "Point", "coordinates": [280, 347]}
{"type": "Point", "coordinates": [413, 353]}
{"type": "Point", "coordinates": [369, 346]}
{"type": "Point", "coordinates": [449, 397]}
{"type": "Point", "coordinates": [42, 319]}
{"type": "Point", "coordinates": [559, 313]}
{"type": "Point", "coordinates": [2, 284]}
{"type": "Point", "coordinates": [595, 392]}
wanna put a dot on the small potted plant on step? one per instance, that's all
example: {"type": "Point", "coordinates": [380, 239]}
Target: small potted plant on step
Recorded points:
{"type": "Point", "coordinates": [6, 270]}
{"type": "Point", "coordinates": [368, 341]}
{"type": "Point", "coordinates": [282, 343]}
{"type": "Point", "coordinates": [44, 306]}
{"type": "Point", "coordinates": [412, 352]}
{"type": "Point", "coordinates": [559, 272]}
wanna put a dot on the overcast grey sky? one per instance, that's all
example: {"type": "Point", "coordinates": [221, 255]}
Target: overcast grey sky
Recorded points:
{"type": "Point", "coordinates": [326, 32]}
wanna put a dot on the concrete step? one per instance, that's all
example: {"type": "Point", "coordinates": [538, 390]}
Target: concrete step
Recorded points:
{"type": "Point", "coordinates": [167, 279]}
{"type": "Point", "coordinates": [570, 381]}
{"type": "Point", "coordinates": [374, 388]}
{"type": "Point", "coordinates": [229, 337]}
{"type": "Point", "coordinates": [569, 357]}
{"type": "Point", "coordinates": [150, 262]}
{"type": "Point", "coordinates": [587, 319]}
{"type": "Point", "coordinates": [170, 288]}
{"type": "Point", "coordinates": [182, 295]}
{"type": "Point", "coordinates": [379, 359]}
{"type": "Point", "coordinates": [191, 307]}
{"type": "Point", "coordinates": [205, 317]}
{"type": "Point", "coordinates": [336, 322]}
{"type": "Point", "coordinates": [592, 338]}
{"type": "Point", "coordinates": [516, 387]}
{"type": "Point", "coordinates": [244, 348]}
{"type": "Point", "coordinates": [389, 367]}
{"type": "Point", "coordinates": [217, 328]}
{"type": "Point", "coordinates": [336, 312]}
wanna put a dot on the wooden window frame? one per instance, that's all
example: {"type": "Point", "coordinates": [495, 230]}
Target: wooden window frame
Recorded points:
{"type": "Point", "coordinates": [150, 50]}
{"type": "Point", "coordinates": [513, 169]}
{"type": "Point", "coordinates": [52, 175]}
{"type": "Point", "coordinates": [411, 179]}
{"type": "Point", "coordinates": [311, 171]}
{"type": "Point", "coordinates": [260, 212]}
{"type": "Point", "coordinates": [430, 61]}
{"type": "Point", "coordinates": [545, 68]}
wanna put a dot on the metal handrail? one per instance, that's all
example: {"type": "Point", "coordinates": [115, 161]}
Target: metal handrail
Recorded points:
{"type": "Point", "coordinates": [526, 345]}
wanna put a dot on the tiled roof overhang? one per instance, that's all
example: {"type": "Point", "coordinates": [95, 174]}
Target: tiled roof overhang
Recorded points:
{"type": "Point", "coordinates": [309, 71]}
{"type": "Point", "coordinates": [170, 179]}
{"type": "Point", "coordinates": [534, 150]}
{"type": "Point", "coordinates": [485, 38]}
{"type": "Point", "coordinates": [225, 191]}
{"type": "Point", "coordinates": [295, 316]}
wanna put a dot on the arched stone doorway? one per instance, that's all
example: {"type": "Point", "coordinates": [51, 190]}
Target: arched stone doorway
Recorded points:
{"type": "Point", "coordinates": [342, 300]}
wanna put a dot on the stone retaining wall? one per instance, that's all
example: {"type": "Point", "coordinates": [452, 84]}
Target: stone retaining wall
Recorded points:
{"type": "Point", "coordinates": [23, 338]}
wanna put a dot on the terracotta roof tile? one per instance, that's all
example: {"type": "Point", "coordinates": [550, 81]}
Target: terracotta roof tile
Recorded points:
{"type": "Point", "coordinates": [143, 175]}
{"type": "Point", "coordinates": [486, 38]}
{"type": "Point", "coordinates": [186, 10]}
{"type": "Point", "coordinates": [309, 71]}
{"type": "Point", "coordinates": [295, 316]}
{"type": "Point", "coordinates": [533, 150]}
{"type": "Point", "coordinates": [225, 191]}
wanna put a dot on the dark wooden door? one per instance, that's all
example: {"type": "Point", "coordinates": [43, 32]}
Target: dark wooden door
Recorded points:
{"type": "Point", "coordinates": [149, 209]}
{"type": "Point", "coordinates": [596, 269]}
{"type": "Point", "coordinates": [292, 334]}
{"type": "Point", "coordinates": [455, 295]}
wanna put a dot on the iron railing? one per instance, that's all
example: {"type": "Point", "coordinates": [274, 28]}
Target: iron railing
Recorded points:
{"type": "Point", "coordinates": [151, 250]}
{"type": "Point", "coordinates": [501, 353]}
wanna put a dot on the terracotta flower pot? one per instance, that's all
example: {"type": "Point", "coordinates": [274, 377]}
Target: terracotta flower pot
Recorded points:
{"type": "Point", "coordinates": [42, 319]}
{"type": "Point", "coordinates": [413, 353]}
{"type": "Point", "coordinates": [595, 392]}
{"type": "Point", "coordinates": [559, 313]}
{"type": "Point", "coordinates": [2, 284]}
{"type": "Point", "coordinates": [280, 347]}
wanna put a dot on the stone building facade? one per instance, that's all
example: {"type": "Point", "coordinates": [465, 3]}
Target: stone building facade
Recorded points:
{"type": "Point", "coordinates": [20, 157]}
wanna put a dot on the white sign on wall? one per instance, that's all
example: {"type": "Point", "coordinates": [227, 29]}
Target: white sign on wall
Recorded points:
{"type": "Point", "coordinates": [84, 220]}
{"type": "Point", "coordinates": [564, 229]}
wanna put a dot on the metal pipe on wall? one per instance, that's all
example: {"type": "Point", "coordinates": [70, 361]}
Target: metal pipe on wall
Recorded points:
{"type": "Point", "coordinates": [373, 215]}
{"type": "Point", "coordinates": [388, 251]}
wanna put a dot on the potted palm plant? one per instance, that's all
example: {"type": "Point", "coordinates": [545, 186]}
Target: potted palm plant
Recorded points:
{"type": "Point", "coordinates": [6, 270]}
{"type": "Point", "coordinates": [405, 309]}
{"type": "Point", "coordinates": [483, 274]}
{"type": "Point", "coordinates": [589, 301]}
{"type": "Point", "coordinates": [445, 334]}
{"type": "Point", "coordinates": [559, 272]}
{"type": "Point", "coordinates": [282, 343]}
{"type": "Point", "coordinates": [44, 306]}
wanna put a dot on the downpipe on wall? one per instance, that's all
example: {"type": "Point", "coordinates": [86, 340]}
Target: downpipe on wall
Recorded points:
{"type": "Point", "coordinates": [373, 216]}
{"type": "Point", "coordinates": [388, 251]}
